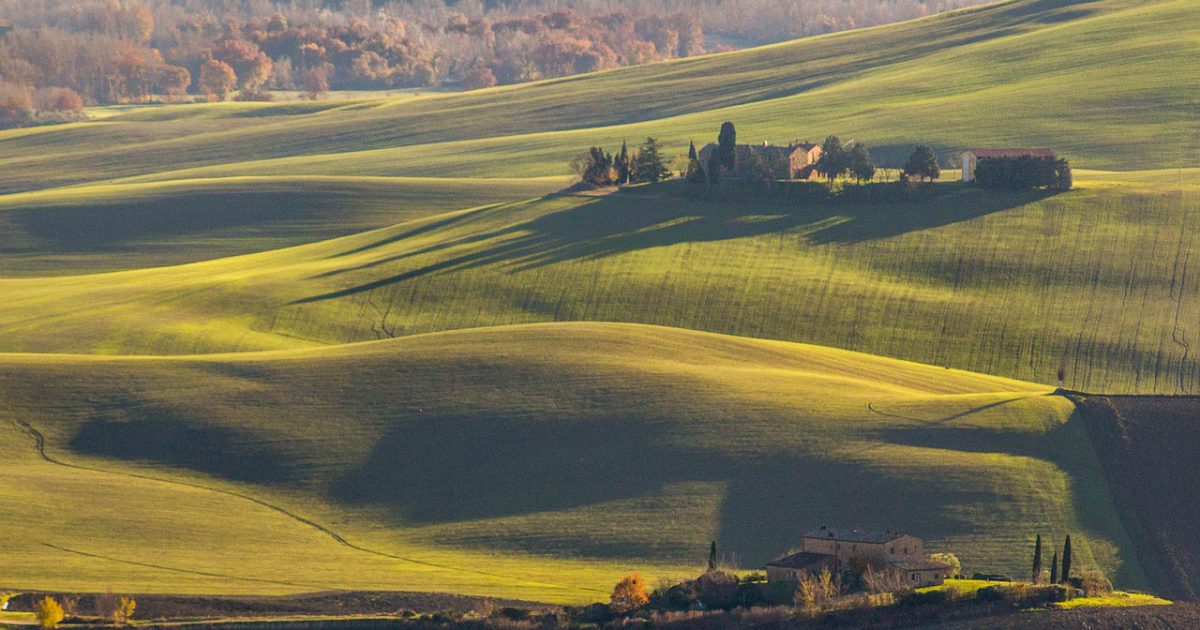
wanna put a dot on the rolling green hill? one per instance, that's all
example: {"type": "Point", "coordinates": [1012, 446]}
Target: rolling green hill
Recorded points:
{"type": "Point", "coordinates": [103, 227]}
{"type": "Point", "coordinates": [1010, 284]}
{"type": "Point", "coordinates": [1107, 82]}
{"type": "Point", "coordinates": [538, 462]}
{"type": "Point", "coordinates": [355, 345]}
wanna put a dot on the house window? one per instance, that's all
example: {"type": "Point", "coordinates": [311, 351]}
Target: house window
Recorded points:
{"type": "Point", "coordinates": [914, 577]}
{"type": "Point", "coordinates": [892, 550]}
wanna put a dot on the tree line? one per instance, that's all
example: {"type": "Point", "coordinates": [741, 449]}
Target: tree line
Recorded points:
{"type": "Point", "coordinates": [122, 51]}
{"type": "Point", "coordinates": [649, 164]}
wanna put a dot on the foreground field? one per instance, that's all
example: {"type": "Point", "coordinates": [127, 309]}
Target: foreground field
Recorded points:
{"type": "Point", "coordinates": [535, 462]}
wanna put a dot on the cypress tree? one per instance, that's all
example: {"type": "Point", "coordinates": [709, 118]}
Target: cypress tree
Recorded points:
{"type": "Point", "coordinates": [692, 155]}
{"type": "Point", "coordinates": [621, 165]}
{"type": "Point", "coordinates": [727, 145]}
{"type": "Point", "coordinates": [1066, 561]}
{"type": "Point", "coordinates": [712, 556]}
{"type": "Point", "coordinates": [1054, 569]}
{"type": "Point", "coordinates": [1037, 559]}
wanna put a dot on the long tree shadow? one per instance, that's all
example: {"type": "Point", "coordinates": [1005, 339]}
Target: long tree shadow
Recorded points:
{"type": "Point", "coordinates": [651, 217]}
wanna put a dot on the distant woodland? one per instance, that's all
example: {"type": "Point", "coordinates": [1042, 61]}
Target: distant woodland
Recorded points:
{"type": "Point", "coordinates": [56, 55]}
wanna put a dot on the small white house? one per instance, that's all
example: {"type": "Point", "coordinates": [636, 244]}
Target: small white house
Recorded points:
{"type": "Point", "coordinates": [970, 159]}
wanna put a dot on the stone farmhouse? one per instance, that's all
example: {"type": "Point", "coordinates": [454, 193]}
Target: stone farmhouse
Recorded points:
{"type": "Point", "coordinates": [801, 157]}
{"type": "Point", "coordinates": [970, 159]}
{"type": "Point", "coordinates": [837, 551]}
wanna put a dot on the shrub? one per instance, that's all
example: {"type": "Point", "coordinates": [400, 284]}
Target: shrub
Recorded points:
{"type": "Point", "coordinates": [950, 559]}
{"type": "Point", "coordinates": [1024, 171]}
{"type": "Point", "coordinates": [56, 99]}
{"type": "Point", "coordinates": [254, 94]}
{"type": "Point", "coordinates": [1094, 583]}
{"type": "Point", "coordinates": [16, 105]}
{"type": "Point", "coordinates": [884, 581]}
{"type": "Point", "coordinates": [675, 596]}
{"type": "Point", "coordinates": [48, 612]}
{"type": "Point", "coordinates": [717, 589]}
{"type": "Point", "coordinates": [478, 78]}
{"type": "Point", "coordinates": [125, 608]}
{"type": "Point", "coordinates": [629, 594]}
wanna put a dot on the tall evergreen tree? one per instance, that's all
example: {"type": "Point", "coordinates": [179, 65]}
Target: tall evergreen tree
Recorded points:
{"type": "Point", "coordinates": [1066, 560]}
{"type": "Point", "coordinates": [1054, 569]}
{"type": "Point", "coordinates": [712, 557]}
{"type": "Point", "coordinates": [621, 165]}
{"type": "Point", "coordinates": [727, 145]}
{"type": "Point", "coordinates": [1037, 559]}
{"type": "Point", "coordinates": [692, 155]}
{"type": "Point", "coordinates": [651, 165]}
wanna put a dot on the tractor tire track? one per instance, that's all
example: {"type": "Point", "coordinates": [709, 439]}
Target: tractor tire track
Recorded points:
{"type": "Point", "coordinates": [40, 445]}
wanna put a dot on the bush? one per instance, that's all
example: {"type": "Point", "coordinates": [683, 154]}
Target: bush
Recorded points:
{"type": "Point", "coordinates": [56, 99]}
{"type": "Point", "coordinates": [717, 589]}
{"type": "Point", "coordinates": [1094, 583]}
{"type": "Point", "coordinates": [1024, 172]}
{"type": "Point", "coordinates": [675, 596]}
{"type": "Point", "coordinates": [48, 612]}
{"type": "Point", "coordinates": [125, 609]}
{"type": "Point", "coordinates": [254, 95]}
{"type": "Point", "coordinates": [16, 105]}
{"type": "Point", "coordinates": [629, 594]}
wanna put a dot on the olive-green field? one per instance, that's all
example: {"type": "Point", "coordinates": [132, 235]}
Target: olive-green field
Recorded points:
{"type": "Point", "coordinates": [374, 344]}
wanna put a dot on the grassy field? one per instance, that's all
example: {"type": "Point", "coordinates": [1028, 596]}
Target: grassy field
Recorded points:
{"type": "Point", "coordinates": [1009, 284]}
{"type": "Point", "coordinates": [1106, 82]}
{"type": "Point", "coordinates": [649, 442]}
{"type": "Point", "coordinates": [354, 344]}
{"type": "Point", "coordinates": [104, 227]}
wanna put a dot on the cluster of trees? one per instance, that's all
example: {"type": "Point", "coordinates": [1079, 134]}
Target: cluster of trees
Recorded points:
{"type": "Point", "coordinates": [50, 612]}
{"type": "Point", "coordinates": [837, 161]}
{"type": "Point", "coordinates": [1024, 172]}
{"type": "Point", "coordinates": [22, 105]}
{"type": "Point", "coordinates": [1041, 575]}
{"type": "Point", "coordinates": [647, 164]}
{"type": "Point", "coordinates": [118, 51]}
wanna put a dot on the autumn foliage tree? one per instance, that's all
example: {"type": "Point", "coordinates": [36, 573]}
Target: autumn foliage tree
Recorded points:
{"type": "Point", "coordinates": [479, 78]}
{"type": "Point", "coordinates": [629, 594]}
{"type": "Point", "coordinates": [217, 80]}
{"type": "Point", "coordinates": [49, 613]}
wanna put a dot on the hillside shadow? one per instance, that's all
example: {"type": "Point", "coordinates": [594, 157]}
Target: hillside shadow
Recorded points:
{"type": "Point", "coordinates": [164, 438]}
{"type": "Point", "coordinates": [650, 217]}
{"type": "Point", "coordinates": [110, 226]}
{"type": "Point", "coordinates": [460, 468]}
